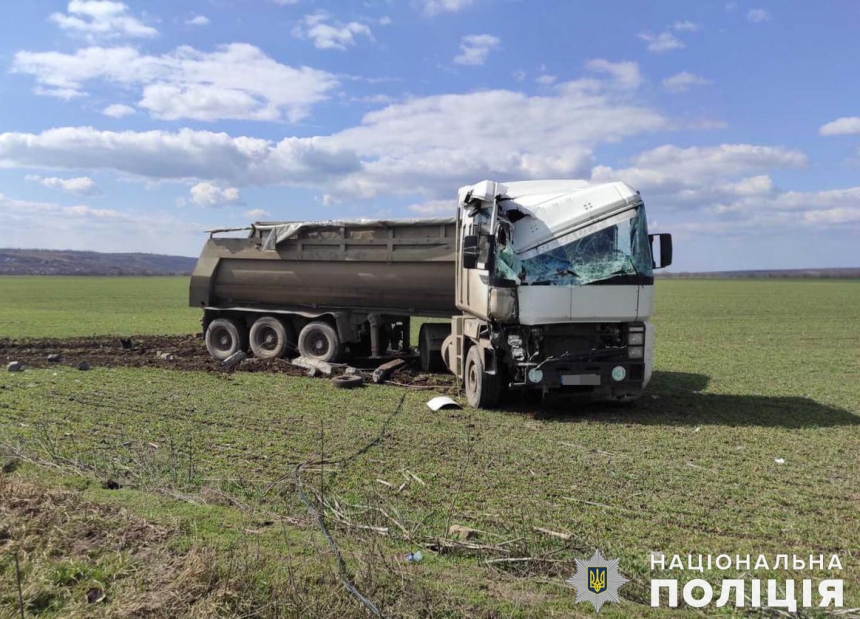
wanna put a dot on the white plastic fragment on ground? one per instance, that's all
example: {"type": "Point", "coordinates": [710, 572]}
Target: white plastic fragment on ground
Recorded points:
{"type": "Point", "coordinates": [440, 402]}
{"type": "Point", "coordinates": [779, 460]}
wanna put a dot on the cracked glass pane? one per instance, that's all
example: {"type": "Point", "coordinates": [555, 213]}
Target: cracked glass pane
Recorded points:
{"type": "Point", "coordinates": [619, 250]}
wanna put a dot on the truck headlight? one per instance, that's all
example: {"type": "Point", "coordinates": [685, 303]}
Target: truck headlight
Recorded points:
{"type": "Point", "coordinates": [635, 338]}
{"type": "Point", "coordinates": [635, 352]}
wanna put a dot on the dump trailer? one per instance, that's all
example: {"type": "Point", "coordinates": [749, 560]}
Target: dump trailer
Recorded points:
{"type": "Point", "coordinates": [542, 285]}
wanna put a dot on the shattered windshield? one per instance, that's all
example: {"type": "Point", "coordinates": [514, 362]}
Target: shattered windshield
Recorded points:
{"type": "Point", "coordinates": [618, 247]}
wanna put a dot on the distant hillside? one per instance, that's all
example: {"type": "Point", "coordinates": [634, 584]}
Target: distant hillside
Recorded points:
{"type": "Point", "coordinates": [53, 262]}
{"type": "Point", "coordinates": [839, 273]}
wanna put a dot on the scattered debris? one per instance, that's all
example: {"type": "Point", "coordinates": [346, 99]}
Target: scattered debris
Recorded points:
{"type": "Point", "coordinates": [384, 483]}
{"type": "Point", "coordinates": [319, 367]}
{"type": "Point", "coordinates": [462, 533]}
{"type": "Point", "coordinates": [235, 359]}
{"type": "Point", "coordinates": [351, 371]}
{"type": "Point", "coordinates": [441, 402]}
{"type": "Point", "coordinates": [167, 356]}
{"type": "Point", "coordinates": [563, 536]}
{"type": "Point", "coordinates": [779, 460]}
{"type": "Point", "coordinates": [15, 366]}
{"type": "Point", "coordinates": [111, 485]}
{"type": "Point", "coordinates": [381, 374]}
{"type": "Point", "coordinates": [95, 595]}
{"type": "Point", "coordinates": [55, 358]}
{"type": "Point", "coordinates": [126, 343]}
{"type": "Point", "coordinates": [83, 366]}
{"type": "Point", "coordinates": [407, 473]}
{"type": "Point", "coordinates": [347, 382]}
{"type": "Point", "coordinates": [414, 557]}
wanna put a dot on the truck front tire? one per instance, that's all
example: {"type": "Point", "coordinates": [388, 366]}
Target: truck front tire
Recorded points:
{"type": "Point", "coordinates": [225, 337]}
{"type": "Point", "coordinates": [270, 338]}
{"type": "Point", "coordinates": [482, 389]}
{"type": "Point", "coordinates": [319, 341]}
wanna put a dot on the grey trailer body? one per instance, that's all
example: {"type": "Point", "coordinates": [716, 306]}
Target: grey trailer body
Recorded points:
{"type": "Point", "coordinates": [364, 279]}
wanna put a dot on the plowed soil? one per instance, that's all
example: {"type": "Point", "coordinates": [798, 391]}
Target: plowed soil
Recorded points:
{"type": "Point", "coordinates": [189, 354]}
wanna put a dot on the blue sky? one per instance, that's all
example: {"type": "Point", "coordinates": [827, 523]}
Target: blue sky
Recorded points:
{"type": "Point", "coordinates": [135, 126]}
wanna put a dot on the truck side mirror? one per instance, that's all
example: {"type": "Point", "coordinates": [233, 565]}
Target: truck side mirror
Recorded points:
{"type": "Point", "coordinates": [470, 251]}
{"type": "Point", "coordinates": [665, 250]}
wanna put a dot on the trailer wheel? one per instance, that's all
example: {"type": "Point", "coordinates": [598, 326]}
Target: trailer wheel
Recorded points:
{"type": "Point", "coordinates": [318, 340]}
{"type": "Point", "coordinates": [482, 389]}
{"type": "Point", "coordinates": [271, 338]}
{"type": "Point", "coordinates": [225, 337]}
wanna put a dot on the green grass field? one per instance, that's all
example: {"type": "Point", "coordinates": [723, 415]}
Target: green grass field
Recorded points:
{"type": "Point", "coordinates": [747, 372]}
{"type": "Point", "coordinates": [83, 306]}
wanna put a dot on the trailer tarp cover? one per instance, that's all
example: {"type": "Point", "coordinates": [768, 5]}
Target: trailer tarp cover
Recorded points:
{"type": "Point", "coordinates": [282, 231]}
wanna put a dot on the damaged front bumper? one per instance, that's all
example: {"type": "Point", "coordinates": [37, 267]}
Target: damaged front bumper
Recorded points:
{"type": "Point", "coordinates": [612, 379]}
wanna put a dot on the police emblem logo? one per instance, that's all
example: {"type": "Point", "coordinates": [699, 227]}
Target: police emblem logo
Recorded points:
{"type": "Point", "coordinates": [597, 580]}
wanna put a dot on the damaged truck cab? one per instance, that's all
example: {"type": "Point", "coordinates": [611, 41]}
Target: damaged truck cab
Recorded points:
{"type": "Point", "coordinates": [555, 283]}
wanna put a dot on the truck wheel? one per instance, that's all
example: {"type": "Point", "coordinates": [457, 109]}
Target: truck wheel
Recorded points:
{"type": "Point", "coordinates": [318, 340]}
{"type": "Point", "coordinates": [225, 337]}
{"type": "Point", "coordinates": [482, 389]}
{"type": "Point", "coordinates": [430, 338]}
{"type": "Point", "coordinates": [270, 338]}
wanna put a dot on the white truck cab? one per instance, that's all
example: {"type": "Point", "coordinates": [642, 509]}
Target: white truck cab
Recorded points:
{"type": "Point", "coordinates": [555, 282]}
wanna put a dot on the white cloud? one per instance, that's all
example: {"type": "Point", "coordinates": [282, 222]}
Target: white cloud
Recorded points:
{"type": "Point", "coordinates": [423, 145]}
{"type": "Point", "coordinates": [208, 194]}
{"type": "Point", "coordinates": [685, 26]}
{"type": "Point", "coordinates": [545, 79]}
{"type": "Point", "coordinates": [683, 81]}
{"type": "Point", "coordinates": [82, 185]}
{"type": "Point", "coordinates": [197, 20]}
{"type": "Point", "coordinates": [86, 211]}
{"type": "Point", "coordinates": [841, 126]}
{"type": "Point", "coordinates": [475, 48]}
{"type": "Point", "coordinates": [626, 74]}
{"type": "Point", "coordinates": [183, 155]}
{"type": "Point", "coordinates": [236, 81]}
{"type": "Point", "coordinates": [334, 35]}
{"type": "Point", "coordinates": [662, 42]}
{"type": "Point", "coordinates": [118, 110]}
{"type": "Point", "coordinates": [256, 214]}
{"type": "Point", "coordinates": [430, 8]}
{"type": "Point", "coordinates": [435, 143]}
{"type": "Point", "coordinates": [757, 16]}
{"type": "Point", "coordinates": [711, 190]}
{"type": "Point", "coordinates": [435, 208]}
{"type": "Point", "coordinates": [669, 168]}
{"type": "Point", "coordinates": [101, 19]}
{"type": "Point", "coordinates": [85, 228]}
{"type": "Point", "coordinates": [11, 204]}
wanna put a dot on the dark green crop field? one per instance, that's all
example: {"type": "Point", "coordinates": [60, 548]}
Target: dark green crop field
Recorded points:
{"type": "Point", "coordinates": [747, 442]}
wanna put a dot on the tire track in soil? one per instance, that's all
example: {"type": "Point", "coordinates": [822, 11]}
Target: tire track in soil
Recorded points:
{"type": "Point", "coordinates": [189, 354]}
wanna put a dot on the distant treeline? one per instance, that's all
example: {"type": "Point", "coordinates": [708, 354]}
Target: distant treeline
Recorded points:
{"type": "Point", "coordinates": [61, 262]}
{"type": "Point", "coordinates": [67, 262]}
{"type": "Point", "coordinates": [840, 273]}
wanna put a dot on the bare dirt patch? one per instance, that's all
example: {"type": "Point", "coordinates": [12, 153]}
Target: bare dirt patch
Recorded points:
{"type": "Point", "coordinates": [187, 352]}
